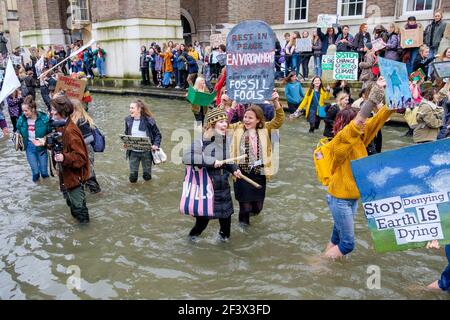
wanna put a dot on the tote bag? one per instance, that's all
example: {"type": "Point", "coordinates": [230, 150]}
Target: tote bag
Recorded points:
{"type": "Point", "coordinates": [197, 199]}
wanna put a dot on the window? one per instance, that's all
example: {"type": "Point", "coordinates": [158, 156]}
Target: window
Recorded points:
{"type": "Point", "coordinates": [420, 6]}
{"type": "Point", "coordinates": [352, 8]}
{"type": "Point", "coordinates": [12, 5]}
{"type": "Point", "coordinates": [296, 10]}
{"type": "Point", "coordinates": [80, 10]}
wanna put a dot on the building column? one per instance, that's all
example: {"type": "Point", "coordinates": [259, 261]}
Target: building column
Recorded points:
{"type": "Point", "coordinates": [40, 23]}
{"type": "Point", "coordinates": [122, 31]}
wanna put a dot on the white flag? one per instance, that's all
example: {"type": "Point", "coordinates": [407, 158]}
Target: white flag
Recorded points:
{"type": "Point", "coordinates": [10, 82]}
{"type": "Point", "coordinates": [73, 54]}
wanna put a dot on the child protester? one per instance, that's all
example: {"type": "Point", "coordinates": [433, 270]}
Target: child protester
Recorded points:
{"type": "Point", "coordinates": [209, 152]}
{"type": "Point", "coordinates": [252, 138]}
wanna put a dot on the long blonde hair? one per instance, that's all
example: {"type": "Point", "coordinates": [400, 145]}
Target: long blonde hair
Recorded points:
{"type": "Point", "coordinates": [79, 113]}
{"type": "Point", "coordinates": [197, 84]}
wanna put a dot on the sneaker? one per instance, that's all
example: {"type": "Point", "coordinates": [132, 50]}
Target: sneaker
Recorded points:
{"type": "Point", "coordinates": [177, 87]}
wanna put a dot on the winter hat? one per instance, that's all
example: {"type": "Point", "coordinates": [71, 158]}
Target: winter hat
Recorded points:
{"type": "Point", "coordinates": [215, 114]}
{"type": "Point", "coordinates": [369, 45]}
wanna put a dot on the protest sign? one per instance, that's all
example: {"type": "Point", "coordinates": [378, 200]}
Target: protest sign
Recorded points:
{"type": "Point", "coordinates": [250, 62]}
{"type": "Point", "coordinates": [397, 91]}
{"type": "Point", "coordinates": [406, 202]}
{"type": "Point", "coordinates": [217, 39]}
{"type": "Point", "coordinates": [345, 66]}
{"type": "Point", "coordinates": [418, 76]}
{"type": "Point", "coordinates": [136, 143]}
{"type": "Point", "coordinates": [442, 69]}
{"type": "Point", "coordinates": [303, 45]}
{"type": "Point", "coordinates": [326, 20]}
{"type": "Point", "coordinates": [411, 38]}
{"type": "Point", "coordinates": [26, 56]}
{"type": "Point", "coordinates": [378, 44]}
{"type": "Point", "coordinates": [327, 62]}
{"type": "Point", "coordinates": [74, 88]}
{"type": "Point", "coordinates": [200, 98]}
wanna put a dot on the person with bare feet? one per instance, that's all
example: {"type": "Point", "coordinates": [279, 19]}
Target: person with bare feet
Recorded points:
{"type": "Point", "coordinates": [353, 132]}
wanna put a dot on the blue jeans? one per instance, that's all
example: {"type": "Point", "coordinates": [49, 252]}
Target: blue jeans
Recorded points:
{"type": "Point", "coordinates": [444, 282]}
{"type": "Point", "coordinates": [101, 67]}
{"type": "Point", "coordinates": [343, 212]}
{"type": "Point", "coordinates": [295, 62]}
{"type": "Point", "coordinates": [412, 57]}
{"type": "Point", "coordinates": [318, 66]}
{"type": "Point", "coordinates": [432, 53]}
{"type": "Point", "coordinates": [38, 161]}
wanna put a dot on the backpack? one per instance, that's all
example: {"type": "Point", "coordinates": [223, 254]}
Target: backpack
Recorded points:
{"type": "Point", "coordinates": [99, 142]}
{"type": "Point", "coordinates": [322, 161]}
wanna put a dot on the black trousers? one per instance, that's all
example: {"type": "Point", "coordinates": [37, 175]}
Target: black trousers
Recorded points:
{"type": "Point", "coordinates": [247, 209]}
{"type": "Point", "coordinates": [14, 123]}
{"type": "Point", "coordinates": [202, 222]}
{"type": "Point", "coordinates": [145, 76]}
{"type": "Point", "coordinates": [155, 77]}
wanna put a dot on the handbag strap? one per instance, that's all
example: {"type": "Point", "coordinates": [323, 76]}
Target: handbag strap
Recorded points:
{"type": "Point", "coordinates": [316, 99]}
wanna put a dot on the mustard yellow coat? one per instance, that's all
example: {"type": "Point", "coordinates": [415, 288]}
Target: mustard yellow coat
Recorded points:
{"type": "Point", "coordinates": [306, 102]}
{"type": "Point", "coordinates": [264, 136]}
{"type": "Point", "coordinates": [349, 144]}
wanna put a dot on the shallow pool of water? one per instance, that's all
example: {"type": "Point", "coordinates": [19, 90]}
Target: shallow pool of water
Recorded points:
{"type": "Point", "coordinates": [136, 245]}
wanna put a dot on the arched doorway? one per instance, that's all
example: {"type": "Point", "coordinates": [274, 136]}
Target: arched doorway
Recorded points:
{"type": "Point", "coordinates": [189, 30]}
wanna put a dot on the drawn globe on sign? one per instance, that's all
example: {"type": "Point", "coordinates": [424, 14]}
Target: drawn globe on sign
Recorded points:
{"type": "Point", "coordinates": [409, 42]}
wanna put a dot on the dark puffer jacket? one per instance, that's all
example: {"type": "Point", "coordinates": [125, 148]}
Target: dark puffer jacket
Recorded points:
{"type": "Point", "coordinates": [204, 154]}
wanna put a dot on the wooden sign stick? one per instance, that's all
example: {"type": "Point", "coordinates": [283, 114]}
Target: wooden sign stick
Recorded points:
{"type": "Point", "coordinates": [230, 160]}
{"type": "Point", "coordinates": [253, 183]}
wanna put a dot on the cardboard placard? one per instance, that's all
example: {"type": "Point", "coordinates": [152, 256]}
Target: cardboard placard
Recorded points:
{"type": "Point", "coordinates": [136, 143]}
{"type": "Point", "coordinates": [326, 20]}
{"type": "Point", "coordinates": [217, 39]}
{"type": "Point", "coordinates": [442, 69]}
{"type": "Point", "coordinates": [406, 203]}
{"type": "Point", "coordinates": [198, 98]}
{"type": "Point", "coordinates": [418, 76]}
{"type": "Point", "coordinates": [327, 62]}
{"type": "Point", "coordinates": [398, 94]}
{"type": "Point", "coordinates": [411, 38]}
{"type": "Point", "coordinates": [378, 44]}
{"type": "Point", "coordinates": [250, 62]}
{"type": "Point", "coordinates": [345, 66]}
{"type": "Point", "coordinates": [303, 45]}
{"type": "Point", "coordinates": [74, 88]}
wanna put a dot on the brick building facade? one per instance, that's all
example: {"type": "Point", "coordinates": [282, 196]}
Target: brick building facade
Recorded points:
{"type": "Point", "coordinates": [122, 26]}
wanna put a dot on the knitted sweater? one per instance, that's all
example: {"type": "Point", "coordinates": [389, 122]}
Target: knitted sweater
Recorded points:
{"type": "Point", "coordinates": [349, 145]}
